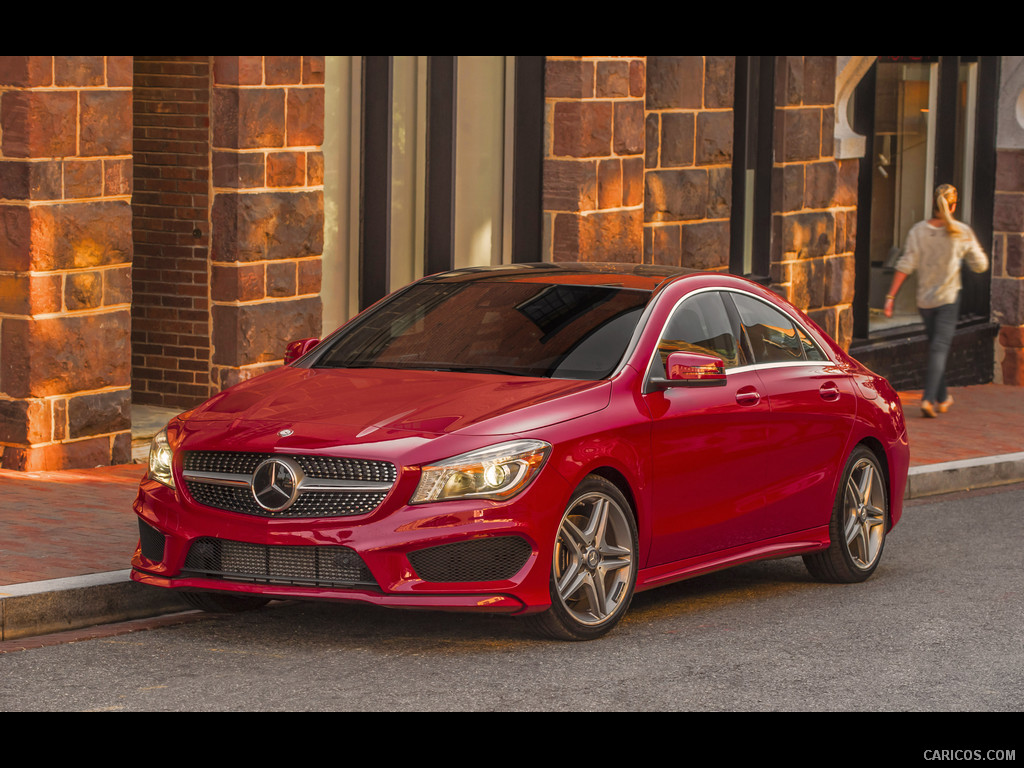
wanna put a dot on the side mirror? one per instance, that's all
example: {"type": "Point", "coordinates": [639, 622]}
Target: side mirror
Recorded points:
{"type": "Point", "coordinates": [297, 349]}
{"type": "Point", "coordinates": [693, 369]}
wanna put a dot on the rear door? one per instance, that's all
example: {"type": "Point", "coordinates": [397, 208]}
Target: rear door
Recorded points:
{"type": "Point", "coordinates": [813, 405]}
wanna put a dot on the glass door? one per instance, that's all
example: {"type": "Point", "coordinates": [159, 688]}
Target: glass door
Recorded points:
{"type": "Point", "coordinates": [907, 147]}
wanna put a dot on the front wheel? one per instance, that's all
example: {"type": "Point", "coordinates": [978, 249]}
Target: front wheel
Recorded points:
{"type": "Point", "coordinates": [594, 567]}
{"type": "Point", "coordinates": [860, 518]}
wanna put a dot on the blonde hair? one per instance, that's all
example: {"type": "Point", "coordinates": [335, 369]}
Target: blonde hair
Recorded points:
{"type": "Point", "coordinates": [945, 199]}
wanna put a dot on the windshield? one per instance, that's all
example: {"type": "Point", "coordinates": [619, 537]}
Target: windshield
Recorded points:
{"type": "Point", "coordinates": [515, 328]}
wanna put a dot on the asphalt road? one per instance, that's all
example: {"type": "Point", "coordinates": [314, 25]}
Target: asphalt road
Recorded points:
{"type": "Point", "coordinates": [936, 629]}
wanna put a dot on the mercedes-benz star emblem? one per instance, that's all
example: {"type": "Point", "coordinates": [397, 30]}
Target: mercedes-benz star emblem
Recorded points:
{"type": "Point", "coordinates": [275, 483]}
{"type": "Point", "coordinates": [286, 432]}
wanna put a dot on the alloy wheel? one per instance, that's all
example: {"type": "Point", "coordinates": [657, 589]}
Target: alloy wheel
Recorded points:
{"type": "Point", "coordinates": [864, 519]}
{"type": "Point", "coordinates": [594, 559]}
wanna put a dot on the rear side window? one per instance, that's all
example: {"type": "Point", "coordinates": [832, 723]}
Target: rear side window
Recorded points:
{"type": "Point", "coordinates": [771, 335]}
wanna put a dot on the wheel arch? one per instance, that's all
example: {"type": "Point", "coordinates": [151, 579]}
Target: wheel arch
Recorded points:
{"type": "Point", "coordinates": [619, 480]}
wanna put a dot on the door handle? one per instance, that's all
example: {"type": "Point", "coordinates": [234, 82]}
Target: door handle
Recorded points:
{"type": "Point", "coordinates": [748, 396]}
{"type": "Point", "coordinates": [829, 391]}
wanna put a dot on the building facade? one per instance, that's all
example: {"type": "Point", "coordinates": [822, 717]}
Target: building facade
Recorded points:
{"type": "Point", "coordinates": [168, 224]}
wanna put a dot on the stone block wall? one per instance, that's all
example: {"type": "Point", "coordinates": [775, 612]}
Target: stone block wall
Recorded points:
{"type": "Point", "coordinates": [688, 160]}
{"type": "Point", "coordinates": [814, 197]}
{"type": "Point", "coordinates": [1008, 266]}
{"type": "Point", "coordinates": [594, 158]}
{"type": "Point", "coordinates": [600, 204]}
{"type": "Point", "coordinates": [267, 212]}
{"type": "Point", "coordinates": [229, 220]}
{"type": "Point", "coordinates": [65, 260]}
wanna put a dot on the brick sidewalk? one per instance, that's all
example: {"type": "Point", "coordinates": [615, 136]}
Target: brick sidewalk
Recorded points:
{"type": "Point", "coordinates": [57, 524]}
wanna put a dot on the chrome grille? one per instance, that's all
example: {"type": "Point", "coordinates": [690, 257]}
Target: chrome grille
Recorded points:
{"type": "Point", "coordinates": [296, 565]}
{"type": "Point", "coordinates": [330, 487]}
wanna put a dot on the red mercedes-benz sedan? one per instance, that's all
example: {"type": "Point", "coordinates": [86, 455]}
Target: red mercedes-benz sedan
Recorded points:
{"type": "Point", "coordinates": [540, 440]}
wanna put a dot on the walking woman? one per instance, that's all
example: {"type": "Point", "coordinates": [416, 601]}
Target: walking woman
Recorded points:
{"type": "Point", "coordinates": [935, 249]}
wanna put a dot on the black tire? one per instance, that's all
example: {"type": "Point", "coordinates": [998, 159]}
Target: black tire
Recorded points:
{"type": "Point", "coordinates": [860, 520]}
{"type": "Point", "coordinates": [594, 565]}
{"type": "Point", "coordinates": [220, 602]}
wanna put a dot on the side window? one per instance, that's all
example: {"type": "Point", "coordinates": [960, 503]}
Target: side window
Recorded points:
{"type": "Point", "coordinates": [701, 324]}
{"type": "Point", "coordinates": [811, 349]}
{"type": "Point", "coordinates": [772, 336]}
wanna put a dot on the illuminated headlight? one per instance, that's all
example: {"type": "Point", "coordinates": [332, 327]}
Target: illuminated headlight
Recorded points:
{"type": "Point", "coordinates": [495, 473]}
{"type": "Point", "coordinates": [160, 459]}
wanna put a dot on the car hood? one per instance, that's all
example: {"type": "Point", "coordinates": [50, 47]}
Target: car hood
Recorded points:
{"type": "Point", "coordinates": [361, 405]}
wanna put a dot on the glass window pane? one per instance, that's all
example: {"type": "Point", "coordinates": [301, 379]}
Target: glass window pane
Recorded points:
{"type": "Point", "coordinates": [701, 324]}
{"type": "Point", "coordinates": [772, 336]}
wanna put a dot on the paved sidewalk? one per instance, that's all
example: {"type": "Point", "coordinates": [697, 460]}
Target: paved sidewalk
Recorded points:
{"type": "Point", "coordinates": [66, 538]}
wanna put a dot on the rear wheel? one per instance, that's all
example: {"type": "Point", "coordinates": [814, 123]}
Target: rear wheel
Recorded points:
{"type": "Point", "coordinates": [860, 518]}
{"type": "Point", "coordinates": [219, 602]}
{"type": "Point", "coordinates": [593, 569]}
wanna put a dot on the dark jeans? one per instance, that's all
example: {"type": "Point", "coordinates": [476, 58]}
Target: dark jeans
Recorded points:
{"type": "Point", "coordinates": [939, 324]}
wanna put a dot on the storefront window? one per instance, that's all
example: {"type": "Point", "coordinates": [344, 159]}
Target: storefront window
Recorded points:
{"type": "Point", "coordinates": [917, 135]}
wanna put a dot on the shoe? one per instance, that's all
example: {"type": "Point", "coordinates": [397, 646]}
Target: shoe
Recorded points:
{"type": "Point", "coordinates": [927, 409]}
{"type": "Point", "coordinates": [946, 404]}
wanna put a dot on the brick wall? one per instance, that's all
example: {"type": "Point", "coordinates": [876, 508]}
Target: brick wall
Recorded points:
{"type": "Point", "coordinates": [267, 210]}
{"type": "Point", "coordinates": [170, 306]}
{"type": "Point", "coordinates": [65, 260]}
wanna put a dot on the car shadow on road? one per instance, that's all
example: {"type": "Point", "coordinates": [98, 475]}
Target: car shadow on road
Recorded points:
{"type": "Point", "coordinates": [330, 625]}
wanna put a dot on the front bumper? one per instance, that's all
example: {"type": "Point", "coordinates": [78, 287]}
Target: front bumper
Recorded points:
{"type": "Point", "coordinates": [453, 555]}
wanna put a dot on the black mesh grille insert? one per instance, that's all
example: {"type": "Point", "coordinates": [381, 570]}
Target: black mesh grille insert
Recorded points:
{"type": "Point", "coordinates": [320, 566]}
{"type": "Point", "coordinates": [491, 559]}
{"type": "Point", "coordinates": [151, 541]}
{"type": "Point", "coordinates": [312, 504]}
{"type": "Point", "coordinates": [307, 504]}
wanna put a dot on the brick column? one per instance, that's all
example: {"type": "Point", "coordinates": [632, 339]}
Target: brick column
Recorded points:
{"type": "Point", "coordinates": [65, 261]}
{"type": "Point", "coordinates": [1008, 227]}
{"type": "Point", "coordinates": [688, 184]}
{"type": "Point", "coordinates": [813, 197]}
{"type": "Point", "coordinates": [1008, 266]}
{"type": "Point", "coordinates": [267, 211]}
{"type": "Point", "coordinates": [593, 158]}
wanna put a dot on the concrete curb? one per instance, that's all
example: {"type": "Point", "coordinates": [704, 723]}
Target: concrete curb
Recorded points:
{"type": "Point", "coordinates": [58, 605]}
{"type": "Point", "coordinates": [965, 475]}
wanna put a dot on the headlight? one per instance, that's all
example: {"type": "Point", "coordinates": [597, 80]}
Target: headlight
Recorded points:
{"type": "Point", "coordinates": [495, 473]}
{"type": "Point", "coordinates": [160, 459]}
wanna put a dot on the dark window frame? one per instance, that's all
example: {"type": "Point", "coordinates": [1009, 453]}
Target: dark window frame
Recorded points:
{"type": "Point", "coordinates": [753, 141]}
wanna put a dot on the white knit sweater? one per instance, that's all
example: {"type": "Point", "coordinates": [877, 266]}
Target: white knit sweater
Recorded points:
{"type": "Point", "coordinates": [936, 256]}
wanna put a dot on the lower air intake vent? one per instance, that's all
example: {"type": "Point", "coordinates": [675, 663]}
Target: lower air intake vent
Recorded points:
{"type": "Point", "coordinates": [492, 559]}
{"type": "Point", "coordinates": [151, 542]}
{"type": "Point", "coordinates": [278, 564]}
